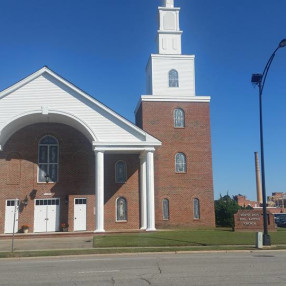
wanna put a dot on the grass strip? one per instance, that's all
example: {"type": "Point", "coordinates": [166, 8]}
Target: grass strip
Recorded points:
{"type": "Point", "coordinates": [47, 253]}
{"type": "Point", "coordinates": [184, 238]}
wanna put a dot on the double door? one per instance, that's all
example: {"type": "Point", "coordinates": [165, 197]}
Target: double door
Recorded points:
{"type": "Point", "coordinates": [47, 215]}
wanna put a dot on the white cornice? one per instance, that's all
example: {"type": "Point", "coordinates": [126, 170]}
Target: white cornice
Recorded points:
{"type": "Point", "coordinates": [172, 56]}
{"type": "Point", "coordinates": [170, 32]}
{"type": "Point", "coordinates": [169, 8]}
{"type": "Point", "coordinates": [167, 98]}
{"type": "Point", "coordinates": [123, 149]}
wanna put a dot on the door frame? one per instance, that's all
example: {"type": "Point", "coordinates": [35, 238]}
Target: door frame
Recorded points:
{"type": "Point", "coordinates": [16, 207]}
{"type": "Point", "coordinates": [85, 214]}
{"type": "Point", "coordinates": [57, 214]}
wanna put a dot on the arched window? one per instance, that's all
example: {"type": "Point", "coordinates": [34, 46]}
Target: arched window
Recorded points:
{"type": "Point", "coordinates": [173, 78]}
{"type": "Point", "coordinates": [179, 118]}
{"type": "Point", "coordinates": [181, 163]}
{"type": "Point", "coordinates": [120, 172]}
{"type": "Point", "coordinates": [196, 208]}
{"type": "Point", "coordinates": [121, 209]}
{"type": "Point", "coordinates": [48, 160]}
{"type": "Point", "coordinates": [166, 213]}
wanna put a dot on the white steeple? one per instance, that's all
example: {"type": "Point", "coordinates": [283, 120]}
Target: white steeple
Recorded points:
{"type": "Point", "coordinates": [169, 34]}
{"type": "Point", "coordinates": [168, 3]}
{"type": "Point", "coordinates": [170, 75]}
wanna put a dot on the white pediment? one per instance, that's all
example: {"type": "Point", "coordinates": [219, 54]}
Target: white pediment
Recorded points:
{"type": "Point", "coordinates": [46, 97]}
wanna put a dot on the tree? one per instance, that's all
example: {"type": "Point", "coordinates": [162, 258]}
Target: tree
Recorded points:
{"type": "Point", "coordinates": [225, 208]}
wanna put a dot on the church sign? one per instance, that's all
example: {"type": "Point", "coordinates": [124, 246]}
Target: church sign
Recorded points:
{"type": "Point", "coordinates": [252, 220]}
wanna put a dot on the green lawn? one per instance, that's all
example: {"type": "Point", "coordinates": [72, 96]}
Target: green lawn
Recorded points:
{"type": "Point", "coordinates": [184, 238]}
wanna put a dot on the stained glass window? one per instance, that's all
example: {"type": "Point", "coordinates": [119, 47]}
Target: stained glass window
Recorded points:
{"type": "Point", "coordinates": [181, 163]}
{"type": "Point", "coordinates": [173, 78]}
{"type": "Point", "coordinates": [48, 159]}
{"type": "Point", "coordinates": [166, 209]}
{"type": "Point", "coordinates": [179, 118]}
{"type": "Point", "coordinates": [196, 208]}
{"type": "Point", "coordinates": [120, 172]}
{"type": "Point", "coordinates": [121, 209]}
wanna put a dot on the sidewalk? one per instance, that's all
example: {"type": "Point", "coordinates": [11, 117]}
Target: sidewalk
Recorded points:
{"type": "Point", "coordinates": [82, 242]}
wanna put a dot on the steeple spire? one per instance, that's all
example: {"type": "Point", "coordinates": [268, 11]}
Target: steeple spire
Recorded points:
{"type": "Point", "coordinates": [169, 33]}
{"type": "Point", "coordinates": [168, 3]}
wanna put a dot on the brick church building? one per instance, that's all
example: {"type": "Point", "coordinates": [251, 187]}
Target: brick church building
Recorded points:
{"type": "Point", "coordinates": [67, 159]}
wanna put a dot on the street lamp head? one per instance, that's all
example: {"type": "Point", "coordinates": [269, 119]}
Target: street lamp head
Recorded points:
{"type": "Point", "coordinates": [282, 44]}
{"type": "Point", "coordinates": [256, 78]}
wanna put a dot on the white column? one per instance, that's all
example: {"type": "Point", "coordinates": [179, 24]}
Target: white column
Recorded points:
{"type": "Point", "coordinates": [150, 192]}
{"type": "Point", "coordinates": [99, 191]}
{"type": "Point", "coordinates": [143, 195]}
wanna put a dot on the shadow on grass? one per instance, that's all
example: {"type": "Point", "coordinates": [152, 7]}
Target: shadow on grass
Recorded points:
{"type": "Point", "coordinates": [138, 241]}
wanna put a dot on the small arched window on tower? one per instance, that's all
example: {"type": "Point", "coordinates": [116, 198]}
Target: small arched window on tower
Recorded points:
{"type": "Point", "coordinates": [120, 172]}
{"type": "Point", "coordinates": [48, 161]}
{"type": "Point", "coordinates": [196, 208]}
{"type": "Point", "coordinates": [173, 78]}
{"type": "Point", "coordinates": [179, 118]}
{"type": "Point", "coordinates": [181, 163]}
{"type": "Point", "coordinates": [121, 209]}
{"type": "Point", "coordinates": [166, 213]}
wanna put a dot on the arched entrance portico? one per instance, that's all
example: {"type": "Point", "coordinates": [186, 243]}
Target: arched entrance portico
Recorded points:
{"type": "Point", "coordinates": [46, 103]}
{"type": "Point", "coordinates": [84, 182]}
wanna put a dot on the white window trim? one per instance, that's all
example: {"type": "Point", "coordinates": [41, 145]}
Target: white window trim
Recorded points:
{"type": "Point", "coordinates": [116, 220]}
{"type": "Point", "coordinates": [58, 163]}
{"type": "Point", "coordinates": [184, 172]}
{"type": "Point", "coordinates": [177, 79]}
{"type": "Point", "coordinates": [174, 118]}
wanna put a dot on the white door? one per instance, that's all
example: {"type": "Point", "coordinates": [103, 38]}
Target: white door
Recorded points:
{"type": "Point", "coordinates": [79, 214]}
{"type": "Point", "coordinates": [47, 215]}
{"type": "Point", "coordinates": [11, 209]}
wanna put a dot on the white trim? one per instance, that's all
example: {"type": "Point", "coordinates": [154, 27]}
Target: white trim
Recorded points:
{"type": "Point", "coordinates": [123, 149]}
{"type": "Point", "coordinates": [131, 145]}
{"type": "Point", "coordinates": [185, 164]}
{"type": "Point", "coordinates": [74, 88]}
{"type": "Point", "coordinates": [169, 8]}
{"type": "Point", "coordinates": [172, 56]}
{"type": "Point", "coordinates": [170, 98]}
{"type": "Point", "coordinates": [38, 112]}
{"type": "Point", "coordinates": [126, 205]}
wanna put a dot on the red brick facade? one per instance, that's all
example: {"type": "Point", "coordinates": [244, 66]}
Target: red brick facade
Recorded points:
{"type": "Point", "coordinates": [19, 167]}
{"type": "Point", "coordinates": [18, 177]}
{"type": "Point", "coordinates": [157, 118]}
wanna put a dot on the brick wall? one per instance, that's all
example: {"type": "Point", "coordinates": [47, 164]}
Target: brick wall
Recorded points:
{"type": "Point", "coordinates": [18, 177]}
{"type": "Point", "coordinates": [195, 142]}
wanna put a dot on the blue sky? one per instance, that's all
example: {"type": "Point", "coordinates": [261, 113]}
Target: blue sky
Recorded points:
{"type": "Point", "coordinates": [103, 47]}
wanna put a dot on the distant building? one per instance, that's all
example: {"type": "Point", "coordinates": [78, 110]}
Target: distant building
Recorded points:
{"type": "Point", "coordinates": [244, 202]}
{"type": "Point", "coordinates": [278, 199]}
{"type": "Point", "coordinates": [275, 203]}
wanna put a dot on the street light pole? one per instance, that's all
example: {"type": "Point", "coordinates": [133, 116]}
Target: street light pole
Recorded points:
{"type": "Point", "coordinates": [259, 79]}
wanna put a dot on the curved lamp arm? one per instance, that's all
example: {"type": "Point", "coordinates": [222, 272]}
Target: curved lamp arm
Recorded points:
{"type": "Point", "coordinates": [259, 79]}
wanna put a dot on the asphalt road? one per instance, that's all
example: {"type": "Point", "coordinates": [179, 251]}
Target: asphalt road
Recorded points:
{"type": "Point", "coordinates": [256, 268]}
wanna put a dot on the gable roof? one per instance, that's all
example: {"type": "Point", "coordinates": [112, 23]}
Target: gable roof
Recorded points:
{"type": "Point", "coordinates": [81, 93]}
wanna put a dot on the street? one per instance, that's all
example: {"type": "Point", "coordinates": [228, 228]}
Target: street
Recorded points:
{"type": "Point", "coordinates": [243, 268]}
